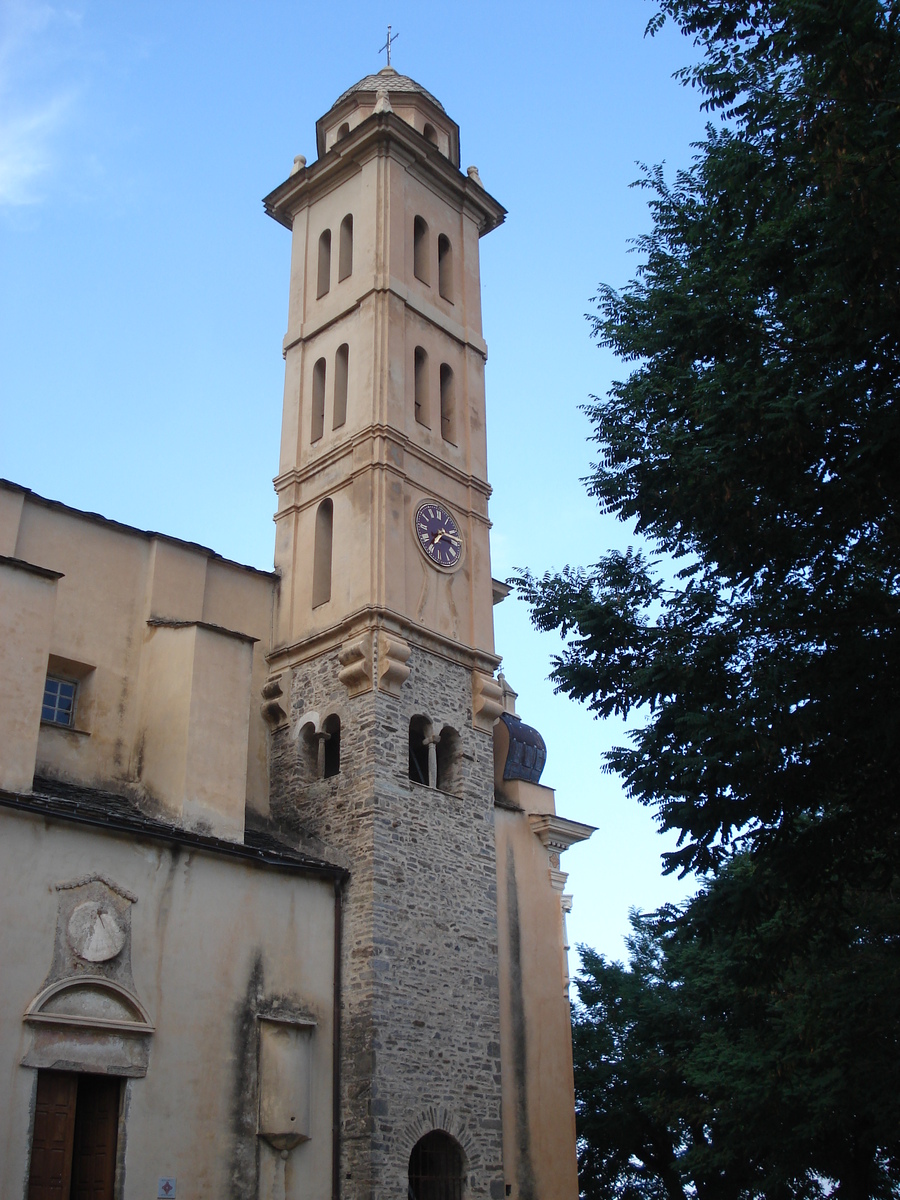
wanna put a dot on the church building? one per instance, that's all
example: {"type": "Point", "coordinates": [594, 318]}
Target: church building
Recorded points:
{"type": "Point", "coordinates": [281, 892]}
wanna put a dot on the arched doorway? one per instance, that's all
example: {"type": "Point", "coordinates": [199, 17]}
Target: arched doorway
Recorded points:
{"type": "Point", "coordinates": [436, 1168]}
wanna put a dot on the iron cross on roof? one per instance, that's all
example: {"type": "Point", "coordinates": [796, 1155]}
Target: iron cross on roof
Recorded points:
{"type": "Point", "coordinates": [387, 44]}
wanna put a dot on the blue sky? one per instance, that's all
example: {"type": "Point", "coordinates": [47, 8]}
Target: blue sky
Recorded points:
{"type": "Point", "coordinates": [144, 292]}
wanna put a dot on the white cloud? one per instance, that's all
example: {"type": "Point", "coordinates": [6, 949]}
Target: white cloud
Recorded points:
{"type": "Point", "coordinates": [26, 150]}
{"type": "Point", "coordinates": [34, 106]}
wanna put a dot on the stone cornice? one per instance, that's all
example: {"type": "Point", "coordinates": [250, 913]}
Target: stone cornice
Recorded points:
{"type": "Point", "coordinates": [382, 620]}
{"type": "Point", "coordinates": [430, 312]}
{"type": "Point", "coordinates": [389, 133]}
{"type": "Point", "coordinates": [558, 833]}
{"type": "Point", "coordinates": [298, 477]}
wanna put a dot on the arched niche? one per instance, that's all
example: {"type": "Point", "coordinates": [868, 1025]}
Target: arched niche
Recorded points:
{"type": "Point", "coordinates": [90, 1023]}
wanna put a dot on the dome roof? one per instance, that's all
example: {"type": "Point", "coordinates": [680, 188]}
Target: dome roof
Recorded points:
{"type": "Point", "coordinates": [392, 81]}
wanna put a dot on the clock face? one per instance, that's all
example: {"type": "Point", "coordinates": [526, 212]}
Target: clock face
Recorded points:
{"type": "Point", "coordinates": [438, 535]}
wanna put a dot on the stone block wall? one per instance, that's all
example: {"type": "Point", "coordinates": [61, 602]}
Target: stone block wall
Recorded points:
{"type": "Point", "coordinates": [421, 1025]}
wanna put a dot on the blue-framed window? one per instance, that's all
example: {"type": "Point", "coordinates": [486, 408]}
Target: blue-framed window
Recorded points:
{"type": "Point", "coordinates": [59, 702]}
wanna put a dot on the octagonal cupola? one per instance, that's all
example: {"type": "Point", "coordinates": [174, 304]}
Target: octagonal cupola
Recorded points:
{"type": "Point", "coordinates": [389, 91]}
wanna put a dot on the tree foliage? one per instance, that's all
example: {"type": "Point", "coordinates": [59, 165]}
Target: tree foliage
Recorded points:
{"type": "Point", "coordinates": [749, 1050]}
{"type": "Point", "coordinates": [752, 1049]}
{"type": "Point", "coordinates": [756, 441]}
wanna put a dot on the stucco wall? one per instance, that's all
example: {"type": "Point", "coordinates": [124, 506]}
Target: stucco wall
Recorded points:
{"type": "Point", "coordinates": [115, 581]}
{"type": "Point", "coordinates": [538, 1096]}
{"type": "Point", "coordinates": [214, 944]}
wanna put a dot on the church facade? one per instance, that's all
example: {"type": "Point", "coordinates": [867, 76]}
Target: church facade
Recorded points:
{"type": "Point", "coordinates": [284, 912]}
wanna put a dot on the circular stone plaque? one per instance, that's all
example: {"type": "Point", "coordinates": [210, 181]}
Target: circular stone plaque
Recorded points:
{"type": "Point", "coordinates": [95, 933]}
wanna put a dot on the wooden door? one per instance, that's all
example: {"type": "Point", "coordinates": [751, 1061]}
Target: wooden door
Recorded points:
{"type": "Point", "coordinates": [54, 1129]}
{"type": "Point", "coordinates": [73, 1147]}
{"type": "Point", "coordinates": [94, 1142]}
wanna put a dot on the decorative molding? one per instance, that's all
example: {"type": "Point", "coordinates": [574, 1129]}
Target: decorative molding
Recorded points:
{"type": "Point", "coordinates": [377, 431]}
{"type": "Point", "coordinates": [273, 711]}
{"type": "Point", "coordinates": [558, 833]}
{"type": "Point", "coordinates": [393, 672]}
{"type": "Point", "coordinates": [355, 658]}
{"type": "Point", "coordinates": [85, 879]}
{"type": "Point", "coordinates": [487, 700]}
{"type": "Point", "coordinates": [361, 621]}
{"type": "Point", "coordinates": [558, 880]}
{"type": "Point", "coordinates": [74, 995]}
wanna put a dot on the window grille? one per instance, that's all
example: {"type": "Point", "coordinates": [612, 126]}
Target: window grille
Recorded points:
{"type": "Point", "coordinates": [436, 1168]}
{"type": "Point", "coordinates": [59, 702]}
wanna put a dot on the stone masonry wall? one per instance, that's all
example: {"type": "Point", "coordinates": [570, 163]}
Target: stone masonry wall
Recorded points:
{"type": "Point", "coordinates": [420, 1027]}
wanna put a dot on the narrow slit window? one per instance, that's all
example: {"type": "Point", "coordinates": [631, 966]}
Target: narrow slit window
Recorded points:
{"type": "Point", "coordinates": [341, 375]}
{"type": "Point", "coordinates": [317, 427]}
{"type": "Point", "coordinates": [445, 267]}
{"type": "Point", "coordinates": [345, 254]}
{"type": "Point", "coordinates": [321, 593]}
{"type": "Point", "coordinates": [324, 278]}
{"type": "Point", "coordinates": [448, 405]}
{"type": "Point", "coordinates": [420, 250]}
{"type": "Point", "coordinates": [59, 702]}
{"type": "Point", "coordinates": [420, 384]}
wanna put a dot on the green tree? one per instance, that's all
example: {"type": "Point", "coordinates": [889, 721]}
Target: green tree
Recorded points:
{"type": "Point", "coordinates": [756, 442]}
{"type": "Point", "coordinates": [748, 1051]}
{"type": "Point", "coordinates": [754, 446]}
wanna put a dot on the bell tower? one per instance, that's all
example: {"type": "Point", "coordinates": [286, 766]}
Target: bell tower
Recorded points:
{"type": "Point", "coordinates": [381, 692]}
{"type": "Point", "coordinates": [384, 379]}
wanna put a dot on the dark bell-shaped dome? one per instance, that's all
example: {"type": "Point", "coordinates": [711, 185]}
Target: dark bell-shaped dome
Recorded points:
{"type": "Point", "coordinates": [526, 753]}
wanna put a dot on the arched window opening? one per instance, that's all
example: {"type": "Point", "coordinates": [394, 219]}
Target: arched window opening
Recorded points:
{"type": "Point", "coordinates": [345, 253]}
{"type": "Point", "coordinates": [331, 728]}
{"type": "Point", "coordinates": [343, 132]}
{"type": "Point", "coordinates": [321, 591]}
{"type": "Point", "coordinates": [436, 1168]}
{"type": "Point", "coordinates": [445, 267]}
{"type": "Point", "coordinates": [341, 374]}
{"type": "Point", "coordinates": [420, 250]}
{"type": "Point", "coordinates": [430, 133]}
{"type": "Point", "coordinates": [421, 388]}
{"type": "Point", "coordinates": [419, 739]}
{"type": "Point", "coordinates": [324, 282]}
{"type": "Point", "coordinates": [448, 760]}
{"type": "Point", "coordinates": [307, 753]}
{"type": "Point", "coordinates": [317, 424]}
{"type": "Point", "coordinates": [448, 405]}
